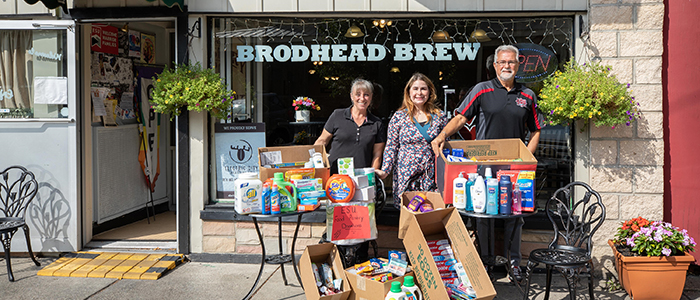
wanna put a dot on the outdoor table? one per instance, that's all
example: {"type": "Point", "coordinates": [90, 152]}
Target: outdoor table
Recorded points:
{"type": "Point", "coordinates": [489, 258]}
{"type": "Point", "coordinates": [280, 258]}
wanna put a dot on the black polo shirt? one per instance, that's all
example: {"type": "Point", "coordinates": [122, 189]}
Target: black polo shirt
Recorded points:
{"type": "Point", "coordinates": [501, 113]}
{"type": "Point", "coordinates": [350, 140]}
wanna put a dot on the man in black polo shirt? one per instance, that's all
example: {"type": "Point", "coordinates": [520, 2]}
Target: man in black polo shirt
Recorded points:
{"type": "Point", "coordinates": [503, 109]}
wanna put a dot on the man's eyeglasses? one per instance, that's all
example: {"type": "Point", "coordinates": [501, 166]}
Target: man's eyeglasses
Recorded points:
{"type": "Point", "coordinates": [504, 62]}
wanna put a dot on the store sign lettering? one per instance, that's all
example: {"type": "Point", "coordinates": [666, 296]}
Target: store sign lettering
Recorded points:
{"type": "Point", "coordinates": [357, 52]}
{"type": "Point", "coordinates": [45, 56]}
{"type": "Point", "coordinates": [6, 94]}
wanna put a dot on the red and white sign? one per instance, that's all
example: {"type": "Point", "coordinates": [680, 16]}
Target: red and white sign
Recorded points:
{"type": "Point", "coordinates": [104, 39]}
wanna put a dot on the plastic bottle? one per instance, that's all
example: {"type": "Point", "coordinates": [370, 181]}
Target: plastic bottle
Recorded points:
{"type": "Point", "coordinates": [287, 201]}
{"type": "Point", "coordinates": [274, 199]}
{"type": "Point", "coordinates": [340, 188]}
{"type": "Point", "coordinates": [459, 196]}
{"type": "Point", "coordinates": [505, 194]}
{"type": "Point", "coordinates": [492, 196]}
{"type": "Point", "coordinates": [412, 291]}
{"type": "Point", "coordinates": [468, 190]}
{"type": "Point", "coordinates": [266, 190]}
{"type": "Point", "coordinates": [516, 207]}
{"type": "Point", "coordinates": [479, 195]}
{"type": "Point", "coordinates": [395, 293]}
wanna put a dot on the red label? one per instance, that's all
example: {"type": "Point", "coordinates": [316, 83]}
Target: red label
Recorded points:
{"type": "Point", "coordinates": [104, 38]}
{"type": "Point", "coordinates": [350, 222]}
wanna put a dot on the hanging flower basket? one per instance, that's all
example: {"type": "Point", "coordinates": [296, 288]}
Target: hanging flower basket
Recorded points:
{"type": "Point", "coordinates": [590, 93]}
{"type": "Point", "coordinates": [192, 88]}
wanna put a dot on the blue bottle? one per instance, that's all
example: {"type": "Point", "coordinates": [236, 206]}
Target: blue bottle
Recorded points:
{"type": "Point", "coordinates": [468, 189]}
{"type": "Point", "coordinates": [492, 196]}
{"type": "Point", "coordinates": [505, 191]}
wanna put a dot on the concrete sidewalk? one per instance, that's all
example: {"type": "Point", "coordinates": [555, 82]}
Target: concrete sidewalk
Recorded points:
{"type": "Point", "coordinates": [202, 280]}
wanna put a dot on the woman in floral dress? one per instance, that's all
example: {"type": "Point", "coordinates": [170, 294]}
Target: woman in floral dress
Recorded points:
{"type": "Point", "coordinates": [408, 153]}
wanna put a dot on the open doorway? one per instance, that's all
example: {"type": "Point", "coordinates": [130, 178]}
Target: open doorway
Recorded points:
{"type": "Point", "coordinates": [128, 149]}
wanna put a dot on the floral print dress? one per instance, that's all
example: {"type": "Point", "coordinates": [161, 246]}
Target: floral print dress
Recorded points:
{"type": "Point", "coordinates": [409, 155]}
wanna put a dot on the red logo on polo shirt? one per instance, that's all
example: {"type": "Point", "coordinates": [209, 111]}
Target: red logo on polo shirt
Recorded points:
{"type": "Point", "coordinates": [521, 102]}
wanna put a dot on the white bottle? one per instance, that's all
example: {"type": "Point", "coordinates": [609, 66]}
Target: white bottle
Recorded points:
{"type": "Point", "coordinates": [412, 291]}
{"type": "Point", "coordinates": [247, 188]}
{"type": "Point", "coordinates": [396, 293]}
{"type": "Point", "coordinates": [479, 195]}
{"type": "Point", "coordinates": [459, 195]}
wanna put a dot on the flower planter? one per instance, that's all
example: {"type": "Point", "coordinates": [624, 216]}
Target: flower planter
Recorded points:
{"type": "Point", "coordinates": [652, 277]}
{"type": "Point", "coordinates": [302, 115]}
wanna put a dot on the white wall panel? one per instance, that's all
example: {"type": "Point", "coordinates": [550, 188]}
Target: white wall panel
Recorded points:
{"type": "Point", "coordinates": [24, 8]}
{"type": "Point", "coordinates": [542, 4]}
{"type": "Point", "coordinates": [503, 5]}
{"type": "Point", "coordinates": [279, 5]}
{"type": "Point", "coordinates": [246, 6]}
{"type": "Point", "coordinates": [574, 5]}
{"type": "Point", "coordinates": [209, 6]}
{"type": "Point", "coordinates": [315, 5]}
{"type": "Point", "coordinates": [426, 5]}
{"type": "Point", "coordinates": [354, 5]}
{"type": "Point", "coordinates": [464, 5]}
{"type": "Point", "coordinates": [389, 5]}
{"type": "Point", "coordinates": [8, 7]}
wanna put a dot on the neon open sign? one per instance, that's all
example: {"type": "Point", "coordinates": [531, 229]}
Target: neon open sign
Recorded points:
{"type": "Point", "coordinates": [536, 63]}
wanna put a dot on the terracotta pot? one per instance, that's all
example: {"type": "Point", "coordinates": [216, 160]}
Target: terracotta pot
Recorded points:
{"type": "Point", "coordinates": [654, 277]}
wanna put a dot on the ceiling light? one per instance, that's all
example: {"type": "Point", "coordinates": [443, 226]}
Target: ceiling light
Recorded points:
{"type": "Point", "coordinates": [354, 32]}
{"type": "Point", "coordinates": [441, 36]}
{"type": "Point", "coordinates": [394, 70]}
{"type": "Point", "coordinates": [478, 36]}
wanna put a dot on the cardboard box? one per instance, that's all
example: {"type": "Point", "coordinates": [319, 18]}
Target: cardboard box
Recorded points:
{"type": "Point", "coordinates": [322, 253]}
{"type": "Point", "coordinates": [295, 154]}
{"type": "Point", "coordinates": [487, 152]}
{"type": "Point", "coordinates": [405, 215]}
{"type": "Point", "coordinates": [441, 224]}
{"type": "Point", "coordinates": [367, 289]}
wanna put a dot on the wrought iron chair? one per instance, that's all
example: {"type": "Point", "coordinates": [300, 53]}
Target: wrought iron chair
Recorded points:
{"type": "Point", "coordinates": [574, 224]}
{"type": "Point", "coordinates": [17, 189]}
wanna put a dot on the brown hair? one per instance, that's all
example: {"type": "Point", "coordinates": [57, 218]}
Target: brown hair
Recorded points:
{"type": "Point", "coordinates": [430, 106]}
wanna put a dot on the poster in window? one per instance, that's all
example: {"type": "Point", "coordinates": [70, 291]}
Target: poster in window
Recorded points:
{"type": "Point", "coordinates": [134, 43]}
{"type": "Point", "coordinates": [148, 48]}
{"type": "Point", "coordinates": [104, 39]}
{"type": "Point", "coordinates": [236, 152]}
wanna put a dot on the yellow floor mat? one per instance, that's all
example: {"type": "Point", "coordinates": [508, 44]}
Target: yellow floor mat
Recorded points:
{"type": "Point", "coordinates": [120, 265]}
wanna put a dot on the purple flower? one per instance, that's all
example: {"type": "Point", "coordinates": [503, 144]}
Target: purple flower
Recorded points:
{"type": "Point", "coordinates": [666, 251]}
{"type": "Point", "coordinates": [628, 85]}
{"type": "Point", "coordinates": [551, 112]}
{"type": "Point", "coordinates": [628, 123]}
{"type": "Point", "coordinates": [557, 86]}
{"type": "Point", "coordinates": [630, 242]}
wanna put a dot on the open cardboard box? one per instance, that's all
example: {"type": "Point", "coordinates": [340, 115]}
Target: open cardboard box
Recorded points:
{"type": "Point", "coordinates": [405, 215]}
{"type": "Point", "coordinates": [322, 253]}
{"type": "Point", "coordinates": [295, 154]}
{"type": "Point", "coordinates": [366, 289]}
{"type": "Point", "coordinates": [487, 154]}
{"type": "Point", "coordinates": [436, 225]}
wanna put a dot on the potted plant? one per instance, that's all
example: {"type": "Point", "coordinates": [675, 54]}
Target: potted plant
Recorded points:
{"type": "Point", "coordinates": [587, 92]}
{"type": "Point", "coordinates": [302, 107]}
{"type": "Point", "coordinates": [193, 88]}
{"type": "Point", "coordinates": [652, 258]}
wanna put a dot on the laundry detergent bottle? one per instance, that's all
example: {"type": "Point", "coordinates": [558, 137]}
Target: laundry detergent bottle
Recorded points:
{"type": "Point", "coordinates": [288, 193]}
{"type": "Point", "coordinates": [395, 293]}
{"type": "Point", "coordinates": [412, 291]}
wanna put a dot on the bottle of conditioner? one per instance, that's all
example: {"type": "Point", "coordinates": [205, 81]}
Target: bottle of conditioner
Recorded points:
{"type": "Point", "coordinates": [479, 195]}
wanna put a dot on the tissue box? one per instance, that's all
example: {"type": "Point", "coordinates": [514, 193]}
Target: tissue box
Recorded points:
{"type": "Point", "coordinates": [364, 194]}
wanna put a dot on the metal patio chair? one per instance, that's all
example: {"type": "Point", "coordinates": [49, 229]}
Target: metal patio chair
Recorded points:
{"type": "Point", "coordinates": [574, 224]}
{"type": "Point", "coordinates": [17, 189]}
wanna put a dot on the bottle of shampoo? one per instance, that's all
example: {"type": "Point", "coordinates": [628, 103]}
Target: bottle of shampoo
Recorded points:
{"type": "Point", "coordinates": [411, 290]}
{"type": "Point", "coordinates": [505, 191]}
{"type": "Point", "coordinates": [459, 196]}
{"type": "Point", "coordinates": [479, 195]}
{"type": "Point", "coordinates": [492, 196]}
{"type": "Point", "coordinates": [468, 191]}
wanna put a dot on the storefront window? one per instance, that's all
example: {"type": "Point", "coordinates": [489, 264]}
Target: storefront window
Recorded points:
{"type": "Point", "coordinates": [270, 62]}
{"type": "Point", "coordinates": [33, 80]}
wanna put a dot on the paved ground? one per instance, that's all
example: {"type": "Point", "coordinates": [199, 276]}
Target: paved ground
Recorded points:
{"type": "Point", "coordinates": [200, 280]}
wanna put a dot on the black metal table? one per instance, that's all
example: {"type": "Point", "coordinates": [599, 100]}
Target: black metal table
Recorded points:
{"type": "Point", "coordinates": [490, 258]}
{"type": "Point", "coordinates": [280, 258]}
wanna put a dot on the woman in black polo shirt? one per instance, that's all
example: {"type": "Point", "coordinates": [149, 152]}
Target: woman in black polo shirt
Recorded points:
{"type": "Point", "coordinates": [354, 131]}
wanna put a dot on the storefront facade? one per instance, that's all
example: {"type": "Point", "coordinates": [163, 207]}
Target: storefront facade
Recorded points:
{"type": "Point", "coordinates": [624, 164]}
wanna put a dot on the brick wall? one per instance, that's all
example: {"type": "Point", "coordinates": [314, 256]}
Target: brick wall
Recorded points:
{"type": "Point", "coordinates": [626, 163]}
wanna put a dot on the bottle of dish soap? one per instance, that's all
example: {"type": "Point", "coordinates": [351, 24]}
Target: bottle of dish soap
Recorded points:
{"type": "Point", "coordinates": [411, 290]}
{"type": "Point", "coordinates": [395, 293]}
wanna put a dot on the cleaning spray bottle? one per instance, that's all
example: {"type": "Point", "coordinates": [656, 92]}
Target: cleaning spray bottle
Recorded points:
{"type": "Point", "coordinates": [459, 196]}
{"type": "Point", "coordinates": [395, 293]}
{"type": "Point", "coordinates": [274, 199]}
{"type": "Point", "coordinates": [412, 291]}
{"type": "Point", "coordinates": [288, 193]}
